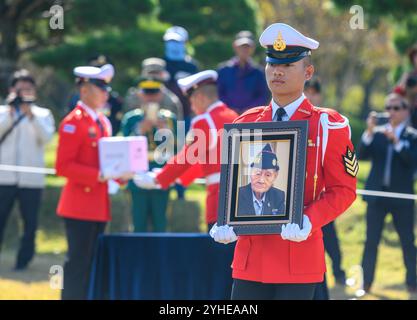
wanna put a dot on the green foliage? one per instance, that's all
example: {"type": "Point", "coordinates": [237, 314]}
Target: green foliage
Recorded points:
{"type": "Point", "coordinates": [402, 14]}
{"type": "Point", "coordinates": [352, 101]}
{"type": "Point", "coordinates": [375, 9]}
{"type": "Point", "coordinates": [85, 15]}
{"type": "Point", "coordinates": [131, 31]}
{"type": "Point", "coordinates": [126, 49]}
{"type": "Point", "coordinates": [357, 126]}
{"type": "Point", "coordinates": [405, 35]}
{"type": "Point", "coordinates": [211, 24]}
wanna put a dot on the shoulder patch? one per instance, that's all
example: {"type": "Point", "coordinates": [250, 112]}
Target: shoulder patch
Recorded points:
{"type": "Point", "coordinates": [69, 128]}
{"type": "Point", "coordinates": [351, 163]}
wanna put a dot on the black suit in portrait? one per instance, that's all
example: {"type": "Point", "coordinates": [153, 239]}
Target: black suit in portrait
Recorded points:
{"type": "Point", "coordinates": [402, 168]}
{"type": "Point", "coordinates": [274, 203]}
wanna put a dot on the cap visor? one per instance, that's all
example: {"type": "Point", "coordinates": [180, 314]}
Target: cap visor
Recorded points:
{"type": "Point", "coordinates": [283, 60]}
{"type": "Point", "coordinates": [243, 41]}
{"type": "Point", "coordinates": [173, 36]}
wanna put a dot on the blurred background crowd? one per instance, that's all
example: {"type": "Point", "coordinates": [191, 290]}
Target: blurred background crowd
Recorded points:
{"type": "Point", "coordinates": [151, 45]}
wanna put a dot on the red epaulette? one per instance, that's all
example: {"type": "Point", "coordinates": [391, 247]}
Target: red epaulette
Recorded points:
{"type": "Point", "coordinates": [250, 111]}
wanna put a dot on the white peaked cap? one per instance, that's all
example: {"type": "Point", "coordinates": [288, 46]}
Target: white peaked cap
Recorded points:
{"type": "Point", "coordinates": [105, 72]}
{"type": "Point", "coordinates": [291, 36]}
{"type": "Point", "coordinates": [195, 80]}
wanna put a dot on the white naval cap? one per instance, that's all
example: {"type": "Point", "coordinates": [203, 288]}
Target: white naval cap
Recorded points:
{"type": "Point", "coordinates": [176, 33]}
{"type": "Point", "coordinates": [100, 76]}
{"type": "Point", "coordinates": [190, 83]}
{"type": "Point", "coordinates": [285, 44]}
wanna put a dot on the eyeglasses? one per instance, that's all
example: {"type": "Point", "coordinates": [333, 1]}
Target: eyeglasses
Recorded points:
{"type": "Point", "coordinates": [394, 108]}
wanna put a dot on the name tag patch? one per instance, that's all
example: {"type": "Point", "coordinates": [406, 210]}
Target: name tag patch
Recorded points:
{"type": "Point", "coordinates": [69, 128]}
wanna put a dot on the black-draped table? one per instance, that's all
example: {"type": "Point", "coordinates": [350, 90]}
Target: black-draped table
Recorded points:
{"type": "Point", "coordinates": [161, 266]}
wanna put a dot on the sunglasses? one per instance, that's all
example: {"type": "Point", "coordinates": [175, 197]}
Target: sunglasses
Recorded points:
{"type": "Point", "coordinates": [394, 108]}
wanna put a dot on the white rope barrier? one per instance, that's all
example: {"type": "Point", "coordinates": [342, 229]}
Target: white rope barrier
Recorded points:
{"type": "Point", "coordinates": [51, 171]}
{"type": "Point", "coordinates": [23, 169]}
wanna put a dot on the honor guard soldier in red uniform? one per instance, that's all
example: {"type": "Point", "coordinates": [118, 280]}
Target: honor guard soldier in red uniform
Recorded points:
{"type": "Point", "coordinates": [201, 154]}
{"type": "Point", "coordinates": [84, 202]}
{"type": "Point", "coordinates": [288, 265]}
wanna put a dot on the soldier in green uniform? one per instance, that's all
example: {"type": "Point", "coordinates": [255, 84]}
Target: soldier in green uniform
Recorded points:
{"type": "Point", "coordinates": [145, 121]}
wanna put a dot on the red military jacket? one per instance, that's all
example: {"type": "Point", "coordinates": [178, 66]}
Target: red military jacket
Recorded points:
{"type": "Point", "coordinates": [269, 258]}
{"type": "Point", "coordinates": [83, 196]}
{"type": "Point", "coordinates": [200, 157]}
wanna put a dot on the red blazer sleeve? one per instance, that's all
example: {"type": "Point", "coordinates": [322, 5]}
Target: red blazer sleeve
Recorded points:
{"type": "Point", "coordinates": [192, 154]}
{"type": "Point", "coordinates": [340, 186]}
{"type": "Point", "coordinates": [191, 174]}
{"type": "Point", "coordinates": [69, 144]}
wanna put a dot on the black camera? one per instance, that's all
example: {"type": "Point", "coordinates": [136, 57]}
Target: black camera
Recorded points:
{"type": "Point", "coordinates": [16, 99]}
{"type": "Point", "coordinates": [382, 118]}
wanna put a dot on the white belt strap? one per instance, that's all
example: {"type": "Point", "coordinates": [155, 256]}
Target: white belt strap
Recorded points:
{"type": "Point", "coordinates": [213, 178]}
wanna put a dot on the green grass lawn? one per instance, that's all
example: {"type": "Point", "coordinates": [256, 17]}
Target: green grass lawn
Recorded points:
{"type": "Point", "coordinates": [51, 245]}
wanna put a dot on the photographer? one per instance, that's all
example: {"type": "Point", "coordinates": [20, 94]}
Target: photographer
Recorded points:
{"type": "Point", "coordinates": [392, 149]}
{"type": "Point", "coordinates": [25, 129]}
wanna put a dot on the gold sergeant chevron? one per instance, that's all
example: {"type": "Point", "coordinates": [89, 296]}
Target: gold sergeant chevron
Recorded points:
{"type": "Point", "coordinates": [351, 163]}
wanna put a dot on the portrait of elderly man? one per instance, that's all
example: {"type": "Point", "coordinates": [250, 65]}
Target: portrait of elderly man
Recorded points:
{"type": "Point", "coordinates": [259, 197]}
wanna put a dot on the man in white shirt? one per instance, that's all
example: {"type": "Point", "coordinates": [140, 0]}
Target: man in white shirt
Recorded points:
{"type": "Point", "coordinates": [392, 148]}
{"type": "Point", "coordinates": [25, 129]}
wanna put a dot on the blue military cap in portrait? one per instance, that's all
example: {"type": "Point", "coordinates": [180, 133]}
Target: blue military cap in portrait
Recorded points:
{"type": "Point", "coordinates": [266, 159]}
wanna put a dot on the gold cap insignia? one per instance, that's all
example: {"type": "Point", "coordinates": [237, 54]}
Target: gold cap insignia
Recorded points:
{"type": "Point", "coordinates": [279, 43]}
{"type": "Point", "coordinates": [274, 162]}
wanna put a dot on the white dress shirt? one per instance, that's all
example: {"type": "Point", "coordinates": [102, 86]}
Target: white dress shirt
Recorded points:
{"type": "Point", "coordinates": [289, 108]}
{"type": "Point", "coordinates": [258, 204]}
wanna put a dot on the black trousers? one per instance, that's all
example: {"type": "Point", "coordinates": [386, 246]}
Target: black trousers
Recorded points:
{"type": "Point", "coordinates": [82, 239]}
{"type": "Point", "coordinates": [332, 247]}
{"type": "Point", "coordinates": [29, 202]}
{"type": "Point", "coordinates": [321, 292]}
{"type": "Point", "coordinates": [209, 226]}
{"type": "Point", "coordinates": [251, 290]}
{"type": "Point", "coordinates": [403, 218]}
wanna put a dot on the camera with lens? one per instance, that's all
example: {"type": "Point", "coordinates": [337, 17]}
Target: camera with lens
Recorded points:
{"type": "Point", "coordinates": [15, 100]}
{"type": "Point", "coordinates": [381, 118]}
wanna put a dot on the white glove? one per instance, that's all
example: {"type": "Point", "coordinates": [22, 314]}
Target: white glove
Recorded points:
{"type": "Point", "coordinates": [223, 234]}
{"type": "Point", "coordinates": [292, 232]}
{"type": "Point", "coordinates": [113, 187]}
{"type": "Point", "coordinates": [146, 180]}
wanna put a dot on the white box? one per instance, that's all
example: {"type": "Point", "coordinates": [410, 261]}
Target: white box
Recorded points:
{"type": "Point", "coordinates": [119, 155]}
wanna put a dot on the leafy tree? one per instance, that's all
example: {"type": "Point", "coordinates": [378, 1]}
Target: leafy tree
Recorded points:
{"type": "Point", "coordinates": [212, 24]}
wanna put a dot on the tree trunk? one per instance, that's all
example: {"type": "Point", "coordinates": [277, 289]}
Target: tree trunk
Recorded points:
{"type": "Point", "coordinates": [368, 88]}
{"type": "Point", "coordinates": [8, 52]}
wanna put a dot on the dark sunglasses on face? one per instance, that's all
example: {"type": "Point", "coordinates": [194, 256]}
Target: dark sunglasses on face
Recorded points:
{"type": "Point", "coordinates": [394, 108]}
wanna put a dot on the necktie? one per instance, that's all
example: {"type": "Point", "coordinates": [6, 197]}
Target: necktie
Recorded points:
{"type": "Point", "coordinates": [387, 171]}
{"type": "Point", "coordinates": [279, 114]}
{"type": "Point", "coordinates": [100, 125]}
{"type": "Point", "coordinates": [258, 207]}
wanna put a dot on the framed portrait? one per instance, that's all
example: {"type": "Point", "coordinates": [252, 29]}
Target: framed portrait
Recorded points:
{"type": "Point", "coordinates": [262, 176]}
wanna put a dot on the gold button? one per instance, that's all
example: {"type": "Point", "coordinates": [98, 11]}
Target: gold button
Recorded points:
{"type": "Point", "coordinates": [87, 189]}
{"type": "Point", "coordinates": [94, 144]}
